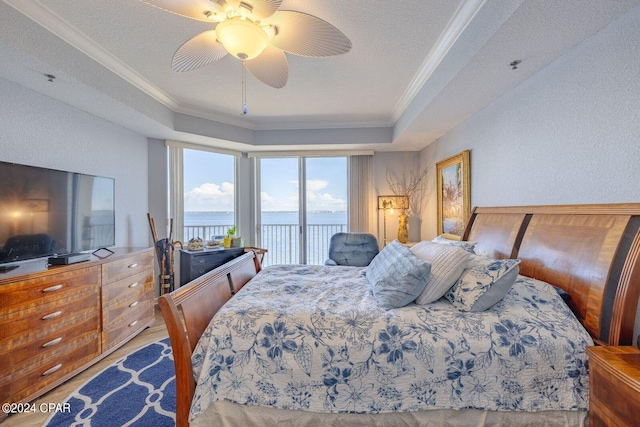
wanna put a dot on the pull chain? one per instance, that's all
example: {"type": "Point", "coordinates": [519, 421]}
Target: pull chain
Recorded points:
{"type": "Point", "coordinates": [244, 88]}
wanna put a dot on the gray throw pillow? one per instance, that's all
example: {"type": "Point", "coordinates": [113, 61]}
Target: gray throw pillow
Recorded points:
{"type": "Point", "coordinates": [397, 276]}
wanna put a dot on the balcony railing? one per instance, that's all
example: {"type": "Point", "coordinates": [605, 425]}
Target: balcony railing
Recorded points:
{"type": "Point", "coordinates": [282, 240]}
{"type": "Point", "coordinates": [205, 232]}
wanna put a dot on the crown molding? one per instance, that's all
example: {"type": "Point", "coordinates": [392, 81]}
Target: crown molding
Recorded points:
{"type": "Point", "coordinates": [200, 113]}
{"type": "Point", "coordinates": [54, 23]}
{"type": "Point", "coordinates": [278, 125]}
{"type": "Point", "coordinates": [463, 16]}
{"type": "Point", "coordinates": [322, 125]}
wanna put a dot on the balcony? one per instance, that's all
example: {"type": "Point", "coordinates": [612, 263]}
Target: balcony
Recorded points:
{"type": "Point", "coordinates": [282, 240]}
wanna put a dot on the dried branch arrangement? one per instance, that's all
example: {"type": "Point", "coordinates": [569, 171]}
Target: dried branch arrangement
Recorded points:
{"type": "Point", "coordinates": [411, 185]}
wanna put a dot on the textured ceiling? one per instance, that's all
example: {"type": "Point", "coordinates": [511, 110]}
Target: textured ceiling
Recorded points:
{"type": "Point", "coordinates": [417, 68]}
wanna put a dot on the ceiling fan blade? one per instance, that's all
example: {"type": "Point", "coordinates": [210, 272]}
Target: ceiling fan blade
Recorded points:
{"type": "Point", "coordinates": [262, 8]}
{"type": "Point", "coordinates": [197, 52]}
{"type": "Point", "coordinates": [194, 9]}
{"type": "Point", "coordinates": [270, 67]}
{"type": "Point", "coordinates": [307, 35]}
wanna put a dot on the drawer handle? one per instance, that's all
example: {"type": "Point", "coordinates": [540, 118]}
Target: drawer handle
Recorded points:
{"type": "Point", "coordinates": [201, 261]}
{"type": "Point", "coordinates": [134, 323]}
{"type": "Point", "coordinates": [52, 370]}
{"type": "Point", "coordinates": [134, 265]}
{"type": "Point", "coordinates": [133, 304]}
{"type": "Point", "coordinates": [52, 342]}
{"type": "Point", "coordinates": [134, 284]}
{"type": "Point", "coordinates": [52, 315]}
{"type": "Point", "coordinates": [52, 288]}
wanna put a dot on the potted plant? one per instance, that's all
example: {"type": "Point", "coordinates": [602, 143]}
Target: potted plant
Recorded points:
{"type": "Point", "coordinates": [229, 237]}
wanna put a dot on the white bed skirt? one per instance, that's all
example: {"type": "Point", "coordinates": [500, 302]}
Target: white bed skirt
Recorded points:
{"type": "Point", "coordinates": [227, 414]}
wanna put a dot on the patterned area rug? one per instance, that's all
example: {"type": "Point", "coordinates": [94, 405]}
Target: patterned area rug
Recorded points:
{"type": "Point", "coordinates": [138, 390]}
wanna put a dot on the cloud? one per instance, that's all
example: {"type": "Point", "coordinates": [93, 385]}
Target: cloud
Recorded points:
{"type": "Point", "coordinates": [316, 200]}
{"type": "Point", "coordinates": [273, 204]}
{"type": "Point", "coordinates": [210, 197]}
{"type": "Point", "coordinates": [315, 185]}
{"type": "Point", "coordinates": [325, 202]}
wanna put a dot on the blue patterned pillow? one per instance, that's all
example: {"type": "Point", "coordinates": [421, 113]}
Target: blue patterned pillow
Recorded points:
{"type": "Point", "coordinates": [483, 283]}
{"type": "Point", "coordinates": [397, 276]}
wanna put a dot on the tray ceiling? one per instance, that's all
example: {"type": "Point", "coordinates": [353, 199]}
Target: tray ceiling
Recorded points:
{"type": "Point", "coordinates": [417, 68]}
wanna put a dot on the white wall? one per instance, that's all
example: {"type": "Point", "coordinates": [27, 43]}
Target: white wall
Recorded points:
{"type": "Point", "coordinates": [569, 134]}
{"type": "Point", "coordinates": [40, 131]}
{"type": "Point", "coordinates": [158, 186]}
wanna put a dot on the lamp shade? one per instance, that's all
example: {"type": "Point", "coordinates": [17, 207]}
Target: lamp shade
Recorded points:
{"type": "Point", "coordinates": [242, 38]}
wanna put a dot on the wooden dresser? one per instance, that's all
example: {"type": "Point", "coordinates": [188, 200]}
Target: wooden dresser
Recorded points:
{"type": "Point", "coordinates": [56, 321]}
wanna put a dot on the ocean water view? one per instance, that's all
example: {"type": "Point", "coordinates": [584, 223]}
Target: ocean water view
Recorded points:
{"type": "Point", "coordinates": [279, 233]}
{"type": "Point", "coordinates": [226, 218]}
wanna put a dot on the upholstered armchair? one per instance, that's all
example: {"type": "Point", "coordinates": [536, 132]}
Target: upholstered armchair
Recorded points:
{"type": "Point", "coordinates": [353, 249]}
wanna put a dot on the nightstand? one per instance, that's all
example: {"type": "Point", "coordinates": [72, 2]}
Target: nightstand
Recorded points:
{"type": "Point", "coordinates": [614, 386]}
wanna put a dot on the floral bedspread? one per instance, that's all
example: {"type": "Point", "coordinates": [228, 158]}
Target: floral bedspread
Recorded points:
{"type": "Point", "coordinates": [313, 338]}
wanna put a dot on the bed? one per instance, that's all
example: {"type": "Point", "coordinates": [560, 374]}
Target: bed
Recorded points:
{"type": "Point", "coordinates": [589, 251]}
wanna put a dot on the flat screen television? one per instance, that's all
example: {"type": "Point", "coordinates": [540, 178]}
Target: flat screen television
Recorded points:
{"type": "Point", "coordinates": [45, 212]}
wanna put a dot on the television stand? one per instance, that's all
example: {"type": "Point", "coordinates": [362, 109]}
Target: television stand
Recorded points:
{"type": "Point", "coordinates": [81, 312]}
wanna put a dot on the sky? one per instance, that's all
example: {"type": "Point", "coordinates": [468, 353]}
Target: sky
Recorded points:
{"type": "Point", "coordinates": [208, 182]}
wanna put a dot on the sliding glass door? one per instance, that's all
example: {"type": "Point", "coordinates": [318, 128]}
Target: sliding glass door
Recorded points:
{"type": "Point", "coordinates": [325, 204]}
{"type": "Point", "coordinates": [279, 218]}
{"type": "Point", "coordinates": [303, 202]}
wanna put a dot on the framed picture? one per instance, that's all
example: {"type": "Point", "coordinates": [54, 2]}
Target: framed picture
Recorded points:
{"type": "Point", "coordinates": [454, 195]}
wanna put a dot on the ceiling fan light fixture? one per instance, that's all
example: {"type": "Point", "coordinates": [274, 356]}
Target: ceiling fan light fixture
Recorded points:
{"type": "Point", "coordinates": [242, 38]}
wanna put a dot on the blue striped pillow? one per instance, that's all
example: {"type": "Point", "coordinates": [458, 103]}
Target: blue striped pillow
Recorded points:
{"type": "Point", "coordinates": [397, 276]}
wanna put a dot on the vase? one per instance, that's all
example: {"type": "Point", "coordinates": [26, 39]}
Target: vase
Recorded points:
{"type": "Point", "coordinates": [403, 231]}
{"type": "Point", "coordinates": [226, 242]}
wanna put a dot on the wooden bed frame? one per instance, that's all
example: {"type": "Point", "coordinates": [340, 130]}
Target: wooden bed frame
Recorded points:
{"type": "Point", "coordinates": [590, 251]}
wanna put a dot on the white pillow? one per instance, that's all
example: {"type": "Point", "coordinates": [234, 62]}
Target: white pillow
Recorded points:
{"type": "Point", "coordinates": [447, 264]}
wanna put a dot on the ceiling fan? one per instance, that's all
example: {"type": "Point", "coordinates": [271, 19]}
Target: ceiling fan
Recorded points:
{"type": "Point", "coordinates": [254, 31]}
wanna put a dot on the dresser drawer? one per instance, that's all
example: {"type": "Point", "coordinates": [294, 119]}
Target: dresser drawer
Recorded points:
{"type": "Point", "coordinates": [208, 260]}
{"type": "Point", "coordinates": [128, 289]}
{"type": "Point", "coordinates": [39, 291]}
{"type": "Point", "coordinates": [23, 351]}
{"type": "Point", "coordinates": [18, 326]}
{"type": "Point", "coordinates": [24, 383]}
{"type": "Point", "coordinates": [125, 321]}
{"type": "Point", "coordinates": [118, 270]}
{"type": "Point", "coordinates": [126, 311]}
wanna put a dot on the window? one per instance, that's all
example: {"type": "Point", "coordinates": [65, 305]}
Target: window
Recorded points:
{"type": "Point", "coordinates": [206, 204]}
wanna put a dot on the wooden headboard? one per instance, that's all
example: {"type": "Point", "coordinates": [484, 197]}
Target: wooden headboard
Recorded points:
{"type": "Point", "coordinates": [590, 251]}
